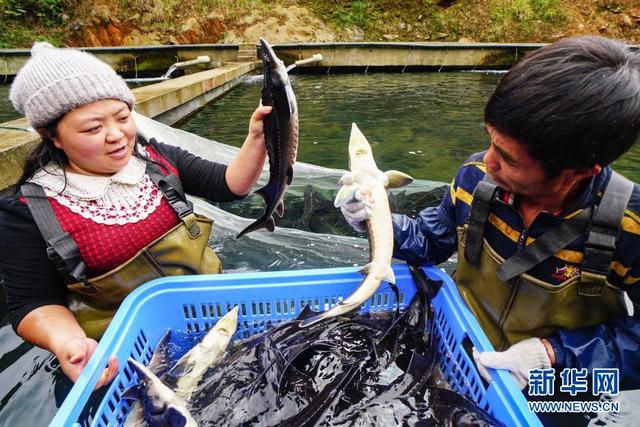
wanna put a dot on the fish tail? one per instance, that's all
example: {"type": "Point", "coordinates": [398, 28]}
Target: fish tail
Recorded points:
{"type": "Point", "coordinates": [262, 222]}
{"type": "Point", "coordinates": [268, 193]}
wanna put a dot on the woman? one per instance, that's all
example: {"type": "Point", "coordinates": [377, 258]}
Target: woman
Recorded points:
{"type": "Point", "coordinates": [98, 211]}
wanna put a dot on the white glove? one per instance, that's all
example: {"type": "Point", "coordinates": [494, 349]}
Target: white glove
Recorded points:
{"type": "Point", "coordinates": [357, 209]}
{"type": "Point", "coordinates": [519, 359]}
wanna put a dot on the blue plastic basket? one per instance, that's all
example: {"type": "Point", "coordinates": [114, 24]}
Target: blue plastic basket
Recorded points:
{"type": "Point", "coordinates": [195, 303]}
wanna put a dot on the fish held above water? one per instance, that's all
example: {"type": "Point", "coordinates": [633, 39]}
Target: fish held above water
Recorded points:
{"type": "Point", "coordinates": [281, 136]}
{"type": "Point", "coordinates": [366, 181]}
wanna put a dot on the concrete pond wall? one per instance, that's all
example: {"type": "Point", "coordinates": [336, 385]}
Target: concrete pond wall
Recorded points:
{"type": "Point", "coordinates": [145, 61]}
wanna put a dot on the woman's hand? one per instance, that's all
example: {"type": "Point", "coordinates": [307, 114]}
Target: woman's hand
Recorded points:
{"type": "Point", "coordinates": [243, 172]}
{"type": "Point", "coordinates": [54, 328]}
{"type": "Point", "coordinates": [256, 125]}
{"type": "Point", "coordinates": [74, 356]}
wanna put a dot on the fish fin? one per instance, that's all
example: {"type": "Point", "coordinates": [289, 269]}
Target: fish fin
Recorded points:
{"type": "Point", "coordinates": [131, 393]}
{"type": "Point", "coordinates": [280, 208]}
{"type": "Point", "coordinates": [306, 313]}
{"type": "Point", "coordinates": [346, 193]}
{"type": "Point", "coordinates": [365, 270]}
{"type": "Point", "coordinates": [390, 276]}
{"type": "Point", "coordinates": [270, 224]}
{"type": "Point", "coordinates": [397, 179]}
{"type": "Point", "coordinates": [263, 192]}
{"type": "Point", "coordinates": [249, 229]}
{"type": "Point", "coordinates": [182, 367]}
{"type": "Point", "coordinates": [289, 175]}
{"type": "Point", "coordinates": [159, 361]}
{"type": "Point", "coordinates": [174, 417]}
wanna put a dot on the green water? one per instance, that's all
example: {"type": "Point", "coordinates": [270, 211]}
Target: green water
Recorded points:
{"type": "Point", "coordinates": [7, 112]}
{"type": "Point", "coordinates": [424, 124]}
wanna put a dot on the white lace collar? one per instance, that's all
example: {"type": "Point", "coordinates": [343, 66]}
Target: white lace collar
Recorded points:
{"type": "Point", "coordinates": [126, 197]}
{"type": "Point", "coordinates": [85, 187]}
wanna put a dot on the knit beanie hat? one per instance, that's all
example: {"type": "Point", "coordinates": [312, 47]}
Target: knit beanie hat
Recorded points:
{"type": "Point", "coordinates": [54, 81]}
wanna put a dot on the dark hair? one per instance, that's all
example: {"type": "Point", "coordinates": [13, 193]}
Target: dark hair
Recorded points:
{"type": "Point", "coordinates": [574, 103]}
{"type": "Point", "coordinates": [44, 153]}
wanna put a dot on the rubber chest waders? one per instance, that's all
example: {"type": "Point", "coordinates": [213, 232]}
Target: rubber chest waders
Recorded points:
{"type": "Point", "coordinates": [94, 301]}
{"type": "Point", "coordinates": [512, 305]}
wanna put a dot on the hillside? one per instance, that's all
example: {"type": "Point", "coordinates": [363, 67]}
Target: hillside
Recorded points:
{"type": "Point", "coordinates": [151, 22]}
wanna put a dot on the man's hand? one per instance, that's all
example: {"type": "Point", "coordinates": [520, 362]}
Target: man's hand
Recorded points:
{"type": "Point", "coordinates": [519, 359]}
{"type": "Point", "coordinates": [75, 356]}
{"type": "Point", "coordinates": [357, 210]}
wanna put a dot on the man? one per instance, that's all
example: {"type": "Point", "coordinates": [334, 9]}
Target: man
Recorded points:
{"type": "Point", "coordinates": [548, 236]}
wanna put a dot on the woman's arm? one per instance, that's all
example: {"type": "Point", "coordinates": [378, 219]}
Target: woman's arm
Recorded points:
{"type": "Point", "coordinates": [243, 172]}
{"type": "Point", "coordinates": [215, 181]}
{"type": "Point", "coordinates": [54, 328]}
{"type": "Point", "coordinates": [36, 295]}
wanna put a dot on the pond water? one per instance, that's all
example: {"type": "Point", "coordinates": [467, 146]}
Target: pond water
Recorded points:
{"type": "Point", "coordinates": [7, 112]}
{"type": "Point", "coordinates": [422, 124]}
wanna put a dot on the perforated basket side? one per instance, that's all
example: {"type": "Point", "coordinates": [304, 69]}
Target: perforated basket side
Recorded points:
{"type": "Point", "coordinates": [195, 303]}
{"type": "Point", "coordinates": [457, 370]}
{"type": "Point", "coordinates": [458, 331]}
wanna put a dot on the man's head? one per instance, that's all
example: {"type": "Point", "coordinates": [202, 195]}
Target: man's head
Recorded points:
{"type": "Point", "coordinates": [574, 103]}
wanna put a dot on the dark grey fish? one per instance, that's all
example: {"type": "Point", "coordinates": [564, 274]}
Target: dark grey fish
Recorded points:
{"type": "Point", "coordinates": [281, 135]}
{"type": "Point", "coordinates": [159, 366]}
{"type": "Point", "coordinates": [399, 363]}
{"type": "Point", "coordinates": [161, 406]}
{"type": "Point", "coordinates": [299, 376]}
{"type": "Point", "coordinates": [271, 377]}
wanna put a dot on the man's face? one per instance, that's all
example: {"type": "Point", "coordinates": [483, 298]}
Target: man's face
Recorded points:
{"type": "Point", "coordinates": [513, 169]}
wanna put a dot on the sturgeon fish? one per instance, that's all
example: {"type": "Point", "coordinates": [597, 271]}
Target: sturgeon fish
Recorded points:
{"type": "Point", "coordinates": [370, 183]}
{"type": "Point", "coordinates": [208, 352]}
{"type": "Point", "coordinates": [281, 135]}
{"type": "Point", "coordinates": [162, 405]}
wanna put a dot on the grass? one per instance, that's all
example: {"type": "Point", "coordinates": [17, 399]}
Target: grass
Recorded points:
{"type": "Point", "coordinates": [342, 14]}
{"type": "Point", "coordinates": [23, 21]}
{"type": "Point", "coordinates": [526, 19]}
{"type": "Point", "coordinates": [528, 11]}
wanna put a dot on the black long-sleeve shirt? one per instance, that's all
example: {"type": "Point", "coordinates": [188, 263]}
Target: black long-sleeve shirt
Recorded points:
{"type": "Point", "coordinates": [30, 279]}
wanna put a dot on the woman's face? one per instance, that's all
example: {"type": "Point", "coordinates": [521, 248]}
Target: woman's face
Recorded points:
{"type": "Point", "coordinates": [98, 138]}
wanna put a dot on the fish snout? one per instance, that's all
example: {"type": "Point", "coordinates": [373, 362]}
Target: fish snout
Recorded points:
{"type": "Point", "coordinates": [228, 323]}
